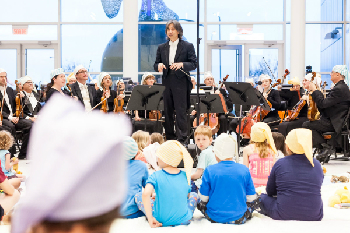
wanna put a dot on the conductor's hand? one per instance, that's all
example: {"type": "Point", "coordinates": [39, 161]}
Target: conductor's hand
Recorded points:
{"type": "Point", "coordinates": [176, 66]}
{"type": "Point", "coordinates": [161, 66]}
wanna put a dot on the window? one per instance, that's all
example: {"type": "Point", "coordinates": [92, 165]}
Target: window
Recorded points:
{"type": "Point", "coordinates": [35, 32]}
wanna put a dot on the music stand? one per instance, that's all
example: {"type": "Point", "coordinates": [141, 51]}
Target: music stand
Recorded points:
{"type": "Point", "coordinates": [144, 97]}
{"type": "Point", "coordinates": [244, 94]}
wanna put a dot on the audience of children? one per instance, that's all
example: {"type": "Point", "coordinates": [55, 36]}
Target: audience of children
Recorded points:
{"type": "Point", "coordinates": [280, 144]}
{"type": "Point", "coordinates": [137, 174]}
{"type": "Point", "coordinates": [150, 151]}
{"type": "Point", "coordinates": [142, 139]}
{"type": "Point", "coordinates": [9, 197]}
{"type": "Point", "coordinates": [6, 142]}
{"type": "Point", "coordinates": [260, 155]}
{"type": "Point", "coordinates": [203, 139]}
{"type": "Point", "coordinates": [227, 192]}
{"type": "Point", "coordinates": [294, 185]}
{"type": "Point", "coordinates": [89, 201]}
{"type": "Point", "coordinates": [174, 204]}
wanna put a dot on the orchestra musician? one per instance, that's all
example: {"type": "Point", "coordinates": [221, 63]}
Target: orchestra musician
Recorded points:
{"type": "Point", "coordinates": [104, 84]}
{"type": "Point", "coordinates": [58, 80]}
{"type": "Point", "coordinates": [86, 94]}
{"type": "Point", "coordinates": [293, 97]}
{"type": "Point", "coordinates": [70, 80]}
{"type": "Point", "coordinates": [333, 110]}
{"type": "Point", "coordinates": [151, 123]}
{"type": "Point", "coordinates": [271, 96]}
{"type": "Point", "coordinates": [175, 59]}
{"type": "Point", "coordinates": [9, 119]}
{"type": "Point", "coordinates": [30, 99]}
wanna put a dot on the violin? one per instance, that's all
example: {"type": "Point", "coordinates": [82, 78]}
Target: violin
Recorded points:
{"type": "Point", "coordinates": [312, 110]}
{"type": "Point", "coordinates": [104, 102]}
{"type": "Point", "coordinates": [19, 107]}
{"type": "Point", "coordinates": [295, 111]}
{"type": "Point", "coordinates": [118, 104]}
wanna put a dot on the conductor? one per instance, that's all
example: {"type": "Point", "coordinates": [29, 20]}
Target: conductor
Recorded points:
{"type": "Point", "coordinates": [176, 58]}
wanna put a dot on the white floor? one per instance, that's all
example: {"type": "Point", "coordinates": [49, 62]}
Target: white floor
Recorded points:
{"type": "Point", "coordinates": [334, 220]}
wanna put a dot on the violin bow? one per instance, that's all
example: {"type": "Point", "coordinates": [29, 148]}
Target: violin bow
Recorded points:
{"type": "Point", "coordinates": [269, 69]}
{"type": "Point", "coordinates": [98, 104]}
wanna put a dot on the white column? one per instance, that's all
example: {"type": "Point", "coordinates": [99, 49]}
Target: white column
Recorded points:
{"type": "Point", "coordinates": [297, 40]}
{"type": "Point", "coordinates": [130, 39]}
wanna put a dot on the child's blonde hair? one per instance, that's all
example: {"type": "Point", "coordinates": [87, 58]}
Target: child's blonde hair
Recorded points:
{"type": "Point", "coordinates": [157, 137]}
{"type": "Point", "coordinates": [141, 138]}
{"type": "Point", "coordinates": [6, 140]}
{"type": "Point", "coordinates": [203, 130]}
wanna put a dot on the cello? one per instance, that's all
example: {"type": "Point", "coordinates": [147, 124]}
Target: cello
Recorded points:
{"type": "Point", "coordinates": [19, 107]}
{"type": "Point", "coordinates": [118, 104]}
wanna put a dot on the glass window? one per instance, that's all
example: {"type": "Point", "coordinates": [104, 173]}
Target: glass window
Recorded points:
{"type": "Point", "coordinates": [8, 61]}
{"type": "Point", "coordinates": [287, 46]}
{"type": "Point", "coordinates": [347, 10]}
{"type": "Point", "coordinates": [39, 63]}
{"type": "Point", "coordinates": [347, 47]}
{"type": "Point", "coordinates": [320, 10]}
{"type": "Point", "coordinates": [244, 11]}
{"type": "Point", "coordinates": [324, 10]}
{"type": "Point", "coordinates": [35, 32]}
{"type": "Point", "coordinates": [260, 32]}
{"type": "Point", "coordinates": [97, 47]}
{"type": "Point", "coordinates": [327, 78]}
{"type": "Point", "coordinates": [92, 10]}
{"type": "Point", "coordinates": [257, 64]}
{"type": "Point", "coordinates": [164, 10]}
{"type": "Point", "coordinates": [152, 35]}
{"type": "Point", "coordinates": [323, 46]}
{"type": "Point", "coordinates": [29, 11]}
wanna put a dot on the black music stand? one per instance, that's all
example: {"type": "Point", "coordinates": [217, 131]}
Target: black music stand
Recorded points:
{"type": "Point", "coordinates": [144, 97]}
{"type": "Point", "coordinates": [244, 94]}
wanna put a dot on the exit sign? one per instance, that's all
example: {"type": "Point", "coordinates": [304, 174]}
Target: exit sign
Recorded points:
{"type": "Point", "coordinates": [19, 30]}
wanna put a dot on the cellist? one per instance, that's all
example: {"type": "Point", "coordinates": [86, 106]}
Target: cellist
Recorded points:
{"type": "Point", "coordinates": [293, 97]}
{"type": "Point", "coordinates": [10, 118]}
{"type": "Point", "coordinates": [333, 109]}
{"type": "Point", "coordinates": [104, 84]}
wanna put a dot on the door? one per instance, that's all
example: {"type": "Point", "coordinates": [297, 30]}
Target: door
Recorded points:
{"type": "Point", "coordinates": [264, 59]}
{"type": "Point", "coordinates": [28, 58]}
{"type": "Point", "coordinates": [225, 60]}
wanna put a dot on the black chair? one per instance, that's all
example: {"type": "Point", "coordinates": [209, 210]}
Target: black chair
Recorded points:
{"type": "Point", "coordinates": [345, 134]}
{"type": "Point", "coordinates": [18, 139]}
{"type": "Point", "coordinates": [284, 108]}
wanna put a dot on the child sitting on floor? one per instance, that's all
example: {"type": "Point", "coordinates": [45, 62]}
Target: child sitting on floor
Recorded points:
{"type": "Point", "coordinates": [227, 192]}
{"type": "Point", "coordinates": [157, 137]}
{"type": "Point", "coordinates": [203, 139]}
{"type": "Point", "coordinates": [137, 174]}
{"type": "Point", "coordinates": [6, 142]}
{"type": "Point", "coordinates": [142, 139]}
{"type": "Point", "coordinates": [173, 204]}
{"type": "Point", "coordinates": [259, 156]}
{"type": "Point", "coordinates": [280, 144]}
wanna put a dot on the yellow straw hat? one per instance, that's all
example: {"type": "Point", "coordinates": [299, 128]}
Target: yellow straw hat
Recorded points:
{"type": "Point", "coordinates": [172, 152]}
{"type": "Point", "coordinates": [299, 141]}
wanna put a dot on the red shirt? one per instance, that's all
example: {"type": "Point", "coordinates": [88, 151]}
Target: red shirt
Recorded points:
{"type": "Point", "coordinates": [2, 175]}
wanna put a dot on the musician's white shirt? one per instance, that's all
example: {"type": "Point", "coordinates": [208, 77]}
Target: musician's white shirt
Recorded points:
{"type": "Point", "coordinates": [86, 98]}
{"type": "Point", "coordinates": [7, 101]}
{"type": "Point", "coordinates": [32, 101]}
{"type": "Point", "coordinates": [172, 50]}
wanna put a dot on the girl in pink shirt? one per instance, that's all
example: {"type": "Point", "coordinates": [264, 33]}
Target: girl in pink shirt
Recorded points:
{"type": "Point", "coordinates": [259, 156]}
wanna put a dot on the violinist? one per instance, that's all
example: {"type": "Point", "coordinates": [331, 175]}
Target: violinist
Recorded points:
{"type": "Point", "coordinates": [333, 109]}
{"type": "Point", "coordinates": [105, 83]}
{"type": "Point", "coordinates": [273, 97]}
{"type": "Point", "coordinates": [151, 124]}
{"type": "Point", "coordinates": [86, 94]}
{"type": "Point", "coordinates": [298, 106]}
{"type": "Point", "coordinates": [70, 80]}
{"type": "Point", "coordinates": [58, 80]}
{"type": "Point", "coordinates": [9, 111]}
{"type": "Point", "coordinates": [31, 104]}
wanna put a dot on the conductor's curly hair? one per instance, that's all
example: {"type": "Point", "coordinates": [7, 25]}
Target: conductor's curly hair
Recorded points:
{"type": "Point", "coordinates": [6, 140]}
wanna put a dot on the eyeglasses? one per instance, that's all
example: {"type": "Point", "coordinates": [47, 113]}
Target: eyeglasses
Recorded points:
{"type": "Point", "coordinates": [83, 71]}
{"type": "Point", "coordinates": [3, 76]}
{"type": "Point", "coordinates": [29, 83]}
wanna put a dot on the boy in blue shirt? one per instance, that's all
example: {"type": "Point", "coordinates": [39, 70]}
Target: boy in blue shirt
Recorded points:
{"type": "Point", "coordinates": [137, 174]}
{"type": "Point", "coordinates": [203, 138]}
{"type": "Point", "coordinates": [227, 192]}
{"type": "Point", "coordinates": [173, 204]}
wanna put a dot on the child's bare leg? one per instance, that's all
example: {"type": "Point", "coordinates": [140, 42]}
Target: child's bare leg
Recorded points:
{"type": "Point", "coordinates": [7, 202]}
{"type": "Point", "coordinates": [15, 182]}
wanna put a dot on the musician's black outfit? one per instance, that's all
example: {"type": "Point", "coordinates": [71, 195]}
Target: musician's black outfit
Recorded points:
{"type": "Point", "coordinates": [23, 125]}
{"type": "Point", "coordinates": [293, 98]}
{"type": "Point", "coordinates": [151, 126]}
{"type": "Point", "coordinates": [272, 118]}
{"type": "Point", "coordinates": [110, 100]}
{"type": "Point", "coordinates": [333, 110]}
{"type": "Point", "coordinates": [177, 87]}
